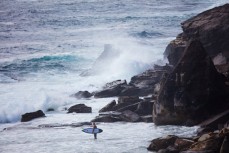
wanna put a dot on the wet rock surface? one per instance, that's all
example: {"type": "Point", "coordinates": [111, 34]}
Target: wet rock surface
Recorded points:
{"type": "Point", "coordinates": [80, 108]}
{"type": "Point", "coordinates": [194, 90]}
{"type": "Point", "coordinates": [82, 94]}
{"type": "Point", "coordinates": [32, 115]}
{"type": "Point", "coordinates": [210, 27]}
{"type": "Point", "coordinates": [128, 109]}
{"type": "Point", "coordinates": [216, 142]}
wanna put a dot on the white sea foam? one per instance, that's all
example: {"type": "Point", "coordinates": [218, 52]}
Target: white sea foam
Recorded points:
{"type": "Point", "coordinates": [38, 38]}
{"type": "Point", "coordinates": [59, 34]}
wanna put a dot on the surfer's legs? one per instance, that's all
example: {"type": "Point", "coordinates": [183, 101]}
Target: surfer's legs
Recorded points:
{"type": "Point", "coordinates": [95, 135]}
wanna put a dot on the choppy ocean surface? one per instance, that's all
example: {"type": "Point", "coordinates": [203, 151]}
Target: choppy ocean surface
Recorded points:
{"type": "Point", "coordinates": [45, 46]}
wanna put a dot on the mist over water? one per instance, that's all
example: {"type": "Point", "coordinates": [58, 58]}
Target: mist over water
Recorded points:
{"type": "Point", "coordinates": [47, 47]}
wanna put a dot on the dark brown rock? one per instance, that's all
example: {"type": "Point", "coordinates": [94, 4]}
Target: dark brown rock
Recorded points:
{"type": "Point", "coordinates": [109, 92]}
{"type": "Point", "coordinates": [129, 116]}
{"type": "Point", "coordinates": [131, 91]}
{"type": "Point", "coordinates": [114, 84]}
{"type": "Point", "coordinates": [210, 27]}
{"type": "Point", "coordinates": [82, 94]}
{"type": "Point", "coordinates": [111, 89]}
{"type": "Point", "coordinates": [144, 108]}
{"type": "Point", "coordinates": [175, 50]}
{"type": "Point", "coordinates": [106, 119]}
{"type": "Point", "coordinates": [108, 107]}
{"type": "Point", "coordinates": [162, 143]}
{"type": "Point", "coordinates": [125, 101]}
{"type": "Point", "coordinates": [128, 99]}
{"type": "Point", "coordinates": [194, 86]}
{"type": "Point", "coordinates": [80, 108]}
{"type": "Point", "coordinates": [111, 116]}
{"type": "Point", "coordinates": [32, 115]}
{"type": "Point", "coordinates": [225, 146]}
{"type": "Point", "coordinates": [209, 144]}
{"type": "Point", "coordinates": [216, 120]}
{"type": "Point", "coordinates": [183, 144]}
{"type": "Point", "coordinates": [132, 107]}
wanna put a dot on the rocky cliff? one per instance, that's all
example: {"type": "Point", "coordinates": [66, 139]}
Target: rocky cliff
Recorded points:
{"type": "Point", "coordinates": [195, 90]}
{"type": "Point", "coordinates": [192, 92]}
{"type": "Point", "coordinates": [210, 27]}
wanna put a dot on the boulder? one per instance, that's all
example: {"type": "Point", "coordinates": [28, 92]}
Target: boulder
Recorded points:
{"type": "Point", "coordinates": [194, 86]}
{"type": "Point", "coordinates": [143, 84]}
{"type": "Point", "coordinates": [32, 115]}
{"type": "Point", "coordinates": [130, 91]}
{"type": "Point", "coordinates": [50, 110]}
{"type": "Point", "coordinates": [209, 144]}
{"type": "Point", "coordinates": [210, 27]}
{"type": "Point", "coordinates": [225, 146]}
{"type": "Point", "coordinates": [111, 89]}
{"type": "Point", "coordinates": [147, 79]}
{"type": "Point", "coordinates": [224, 132]}
{"type": "Point", "coordinates": [124, 102]}
{"type": "Point", "coordinates": [144, 108]}
{"type": "Point", "coordinates": [108, 107]}
{"type": "Point", "coordinates": [115, 84]}
{"type": "Point", "coordinates": [132, 107]}
{"type": "Point", "coordinates": [162, 143]}
{"type": "Point", "coordinates": [128, 99]}
{"type": "Point", "coordinates": [106, 118]}
{"type": "Point", "coordinates": [175, 49]}
{"type": "Point", "coordinates": [108, 93]}
{"type": "Point", "coordinates": [111, 116]}
{"type": "Point", "coordinates": [183, 144]}
{"type": "Point", "coordinates": [80, 108]}
{"type": "Point", "coordinates": [204, 137]}
{"type": "Point", "coordinates": [82, 94]}
{"type": "Point", "coordinates": [110, 113]}
{"type": "Point", "coordinates": [129, 116]}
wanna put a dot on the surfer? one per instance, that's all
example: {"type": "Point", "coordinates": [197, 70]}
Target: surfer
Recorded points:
{"type": "Point", "coordinates": [94, 127]}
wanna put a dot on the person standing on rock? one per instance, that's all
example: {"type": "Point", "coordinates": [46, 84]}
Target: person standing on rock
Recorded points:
{"type": "Point", "coordinates": [94, 127]}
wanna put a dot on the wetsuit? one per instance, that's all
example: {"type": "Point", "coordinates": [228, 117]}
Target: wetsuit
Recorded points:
{"type": "Point", "coordinates": [95, 134]}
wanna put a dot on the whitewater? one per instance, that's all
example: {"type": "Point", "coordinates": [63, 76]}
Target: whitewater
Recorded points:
{"type": "Point", "coordinates": [47, 52]}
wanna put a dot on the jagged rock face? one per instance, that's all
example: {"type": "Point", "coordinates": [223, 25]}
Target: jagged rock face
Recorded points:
{"type": "Point", "coordinates": [210, 27]}
{"type": "Point", "coordinates": [192, 92]}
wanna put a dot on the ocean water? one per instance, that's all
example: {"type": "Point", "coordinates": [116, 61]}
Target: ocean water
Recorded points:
{"type": "Point", "coordinates": [46, 46]}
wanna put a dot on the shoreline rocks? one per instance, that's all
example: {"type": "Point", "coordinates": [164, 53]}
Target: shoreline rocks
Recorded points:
{"type": "Point", "coordinates": [82, 94]}
{"type": "Point", "coordinates": [210, 27]}
{"type": "Point", "coordinates": [214, 142]}
{"type": "Point", "coordinates": [80, 108]}
{"type": "Point", "coordinates": [194, 86]}
{"type": "Point", "coordinates": [129, 109]}
{"type": "Point", "coordinates": [32, 115]}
